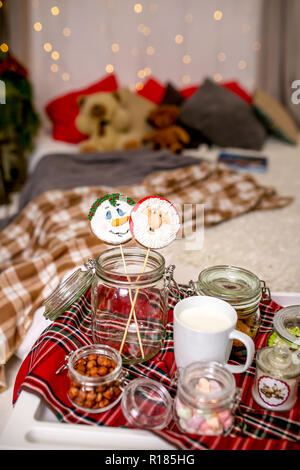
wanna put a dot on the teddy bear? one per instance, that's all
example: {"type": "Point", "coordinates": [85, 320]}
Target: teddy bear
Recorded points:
{"type": "Point", "coordinates": [167, 134]}
{"type": "Point", "coordinates": [112, 120]}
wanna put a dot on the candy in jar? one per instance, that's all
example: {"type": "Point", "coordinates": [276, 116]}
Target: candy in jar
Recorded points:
{"type": "Point", "coordinates": [277, 376]}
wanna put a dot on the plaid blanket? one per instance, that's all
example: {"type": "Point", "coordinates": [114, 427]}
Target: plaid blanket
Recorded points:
{"type": "Point", "coordinates": [51, 236]}
{"type": "Point", "coordinates": [254, 427]}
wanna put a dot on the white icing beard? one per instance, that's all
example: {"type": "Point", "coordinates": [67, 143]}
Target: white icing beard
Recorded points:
{"type": "Point", "coordinates": [161, 236]}
{"type": "Point", "coordinates": [103, 228]}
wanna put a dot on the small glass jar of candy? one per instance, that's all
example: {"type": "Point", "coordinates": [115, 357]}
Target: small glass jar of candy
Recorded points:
{"type": "Point", "coordinates": [286, 326]}
{"type": "Point", "coordinates": [206, 399]}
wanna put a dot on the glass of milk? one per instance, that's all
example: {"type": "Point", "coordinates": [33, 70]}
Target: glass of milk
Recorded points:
{"type": "Point", "coordinates": [204, 329]}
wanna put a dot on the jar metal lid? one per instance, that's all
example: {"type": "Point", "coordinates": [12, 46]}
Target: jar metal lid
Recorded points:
{"type": "Point", "coordinates": [287, 324]}
{"type": "Point", "coordinates": [68, 291]}
{"type": "Point", "coordinates": [147, 404]}
{"type": "Point", "coordinates": [235, 285]}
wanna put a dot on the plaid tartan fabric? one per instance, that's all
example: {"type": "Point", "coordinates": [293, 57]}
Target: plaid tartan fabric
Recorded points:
{"type": "Point", "coordinates": [52, 234]}
{"type": "Point", "coordinates": [254, 428]}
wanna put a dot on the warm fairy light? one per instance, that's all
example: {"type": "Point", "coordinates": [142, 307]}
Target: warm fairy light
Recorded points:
{"type": "Point", "coordinates": [150, 50]}
{"type": "Point", "coordinates": [55, 55]}
{"type": "Point", "coordinates": [55, 11]}
{"type": "Point", "coordinates": [66, 32]}
{"type": "Point", "coordinates": [54, 68]}
{"type": "Point", "coordinates": [139, 86]}
{"type": "Point", "coordinates": [141, 73]}
{"type": "Point", "coordinates": [221, 56]}
{"type": "Point", "coordinates": [147, 71]}
{"type": "Point", "coordinates": [256, 46]}
{"type": "Point", "coordinates": [242, 64]}
{"type": "Point", "coordinates": [115, 47]}
{"type": "Point", "coordinates": [178, 38]}
{"type": "Point", "coordinates": [1, 4]}
{"type": "Point", "coordinates": [186, 79]}
{"type": "Point", "coordinates": [109, 68]}
{"type": "Point", "coordinates": [47, 47]}
{"type": "Point", "coordinates": [65, 76]}
{"type": "Point", "coordinates": [186, 59]}
{"type": "Point", "coordinates": [146, 31]}
{"type": "Point", "coordinates": [38, 26]}
{"type": "Point", "coordinates": [4, 47]}
{"type": "Point", "coordinates": [218, 15]}
{"type": "Point", "coordinates": [138, 8]}
{"type": "Point", "coordinates": [217, 77]}
{"type": "Point", "coordinates": [188, 18]}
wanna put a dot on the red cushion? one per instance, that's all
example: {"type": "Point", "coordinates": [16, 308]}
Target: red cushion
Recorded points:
{"type": "Point", "coordinates": [153, 91]}
{"type": "Point", "coordinates": [63, 111]}
{"type": "Point", "coordinates": [188, 92]}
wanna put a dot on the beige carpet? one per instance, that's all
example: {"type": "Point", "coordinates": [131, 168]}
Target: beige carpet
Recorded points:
{"type": "Point", "coordinates": [265, 242]}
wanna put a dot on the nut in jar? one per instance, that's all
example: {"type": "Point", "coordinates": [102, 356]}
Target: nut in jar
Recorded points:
{"type": "Point", "coordinates": [96, 378]}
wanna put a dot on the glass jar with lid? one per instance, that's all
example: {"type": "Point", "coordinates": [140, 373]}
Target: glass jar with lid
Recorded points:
{"type": "Point", "coordinates": [286, 327]}
{"type": "Point", "coordinates": [237, 286]}
{"type": "Point", "coordinates": [128, 306]}
{"type": "Point", "coordinates": [276, 378]}
{"type": "Point", "coordinates": [206, 399]}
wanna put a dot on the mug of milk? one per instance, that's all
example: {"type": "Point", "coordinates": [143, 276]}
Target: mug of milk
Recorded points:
{"type": "Point", "coordinates": [204, 329]}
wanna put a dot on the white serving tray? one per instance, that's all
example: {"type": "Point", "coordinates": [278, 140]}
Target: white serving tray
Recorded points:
{"type": "Point", "coordinates": [32, 425]}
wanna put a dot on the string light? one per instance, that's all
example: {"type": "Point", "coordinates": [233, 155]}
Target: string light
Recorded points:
{"type": "Point", "coordinates": [256, 46]}
{"type": "Point", "coordinates": [178, 38]}
{"type": "Point", "coordinates": [55, 55]}
{"type": "Point", "coordinates": [147, 71]}
{"type": "Point", "coordinates": [48, 47]}
{"type": "Point", "coordinates": [242, 64]}
{"type": "Point", "coordinates": [218, 15]}
{"type": "Point", "coordinates": [38, 26]}
{"type": "Point", "coordinates": [66, 32]}
{"type": "Point", "coordinates": [139, 86]}
{"type": "Point", "coordinates": [109, 68]}
{"type": "Point", "coordinates": [218, 77]}
{"type": "Point", "coordinates": [186, 59]}
{"type": "Point", "coordinates": [188, 18]}
{"type": "Point", "coordinates": [115, 47]}
{"type": "Point", "coordinates": [55, 11]}
{"type": "Point", "coordinates": [4, 47]}
{"type": "Point", "coordinates": [1, 4]}
{"type": "Point", "coordinates": [221, 57]}
{"type": "Point", "coordinates": [150, 50]}
{"type": "Point", "coordinates": [186, 79]}
{"type": "Point", "coordinates": [141, 74]}
{"type": "Point", "coordinates": [138, 8]}
{"type": "Point", "coordinates": [54, 68]}
{"type": "Point", "coordinates": [65, 76]}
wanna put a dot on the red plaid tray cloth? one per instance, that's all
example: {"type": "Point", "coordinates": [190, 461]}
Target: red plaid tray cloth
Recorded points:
{"type": "Point", "coordinates": [255, 428]}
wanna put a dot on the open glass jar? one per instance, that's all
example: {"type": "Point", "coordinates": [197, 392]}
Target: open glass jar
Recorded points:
{"type": "Point", "coordinates": [128, 306]}
{"type": "Point", "coordinates": [286, 327]}
{"type": "Point", "coordinates": [237, 286]}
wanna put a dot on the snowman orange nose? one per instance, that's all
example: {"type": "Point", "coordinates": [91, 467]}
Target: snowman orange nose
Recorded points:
{"type": "Point", "coordinates": [120, 221]}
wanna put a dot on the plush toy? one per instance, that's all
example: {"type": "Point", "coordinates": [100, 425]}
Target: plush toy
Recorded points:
{"type": "Point", "coordinates": [166, 133]}
{"type": "Point", "coordinates": [112, 120]}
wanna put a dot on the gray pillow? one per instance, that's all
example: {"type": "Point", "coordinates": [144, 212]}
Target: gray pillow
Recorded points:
{"type": "Point", "coordinates": [223, 118]}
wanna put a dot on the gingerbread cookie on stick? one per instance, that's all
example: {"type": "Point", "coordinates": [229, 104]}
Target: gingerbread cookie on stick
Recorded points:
{"type": "Point", "coordinates": [154, 223]}
{"type": "Point", "coordinates": [109, 219]}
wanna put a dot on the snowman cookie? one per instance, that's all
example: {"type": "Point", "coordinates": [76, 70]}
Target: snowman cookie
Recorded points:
{"type": "Point", "coordinates": [109, 218]}
{"type": "Point", "coordinates": [154, 222]}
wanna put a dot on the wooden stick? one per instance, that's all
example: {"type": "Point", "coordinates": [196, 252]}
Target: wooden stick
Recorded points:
{"type": "Point", "coordinates": [130, 296]}
{"type": "Point", "coordinates": [134, 301]}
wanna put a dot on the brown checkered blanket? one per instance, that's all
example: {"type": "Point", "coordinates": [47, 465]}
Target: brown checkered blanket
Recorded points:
{"type": "Point", "coordinates": [52, 234]}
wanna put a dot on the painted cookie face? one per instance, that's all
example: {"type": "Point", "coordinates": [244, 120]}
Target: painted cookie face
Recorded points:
{"type": "Point", "coordinates": [154, 222]}
{"type": "Point", "coordinates": [109, 218]}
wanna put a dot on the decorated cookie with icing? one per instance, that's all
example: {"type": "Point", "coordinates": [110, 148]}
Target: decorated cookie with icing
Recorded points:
{"type": "Point", "coordinates": [154, 222]}
{"type": "Point", "coordinates": [109, 218]}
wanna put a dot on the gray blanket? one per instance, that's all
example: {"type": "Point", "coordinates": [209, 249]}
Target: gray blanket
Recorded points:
{"type": "Point", "coordinates": [67, 171]}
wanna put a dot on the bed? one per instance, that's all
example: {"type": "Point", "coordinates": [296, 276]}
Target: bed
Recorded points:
{"type": "Point", "coordinates": [49, 235]}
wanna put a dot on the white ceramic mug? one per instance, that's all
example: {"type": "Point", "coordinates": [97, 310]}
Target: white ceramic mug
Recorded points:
{"type": "Point", "coordinates": [192, 345]}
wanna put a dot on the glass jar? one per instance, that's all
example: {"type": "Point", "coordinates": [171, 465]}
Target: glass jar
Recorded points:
{"type": "Point", "coordinates": [206, 399]}
{"type": "Point", "coordinates": [286, 327]}
{"type": "Point", "coordinates": [96, 378]}
{"type": "Point", "coordinates": [128, 306]}
{"type": "Point", "coordinates": [276, 377]}
{"type": "Point", "coordinates": [237, 286]}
